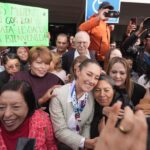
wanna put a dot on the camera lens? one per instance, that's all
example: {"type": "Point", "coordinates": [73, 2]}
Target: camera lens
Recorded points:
{"type": "Point", "coordinates": [116, 14]}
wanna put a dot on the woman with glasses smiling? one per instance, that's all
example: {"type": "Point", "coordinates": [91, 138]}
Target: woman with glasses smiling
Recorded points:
{"type": "Point", "coordinates": [82, 42]}
{"type": "Point", "coordinates": [12, 65]}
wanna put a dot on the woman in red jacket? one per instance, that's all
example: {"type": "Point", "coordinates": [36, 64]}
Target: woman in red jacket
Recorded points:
{"type": "Point", "coordinates": [19, 119]}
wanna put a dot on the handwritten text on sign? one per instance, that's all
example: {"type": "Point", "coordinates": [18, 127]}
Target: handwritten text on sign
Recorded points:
{"type": "Point", "coordinates": [23, 25]}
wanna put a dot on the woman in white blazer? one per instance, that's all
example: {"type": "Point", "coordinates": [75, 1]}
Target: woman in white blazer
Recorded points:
{"type": "Point", "coordinates": [72, 108]}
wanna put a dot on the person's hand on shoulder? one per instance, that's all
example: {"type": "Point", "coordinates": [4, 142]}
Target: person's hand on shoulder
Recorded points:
{"type": "Point", "coordinates": [48, 95]}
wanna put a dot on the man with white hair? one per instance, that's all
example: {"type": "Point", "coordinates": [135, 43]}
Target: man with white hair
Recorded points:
{"type": "Point", "coordinates": [82, 42]}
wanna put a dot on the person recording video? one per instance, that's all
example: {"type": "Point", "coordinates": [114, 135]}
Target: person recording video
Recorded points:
{"type": "Point", "coordinates": [99, 31]}
{"type": "Point", "coordinates": [141, 55]}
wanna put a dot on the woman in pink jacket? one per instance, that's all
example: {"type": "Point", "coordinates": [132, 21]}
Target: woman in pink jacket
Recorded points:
{"type": "Point", "coordinates": [20, 120]}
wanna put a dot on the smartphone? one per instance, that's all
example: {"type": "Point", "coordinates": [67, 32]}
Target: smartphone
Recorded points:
{"type": "Point", "coordinates": [26, 144]}
{"type": "Point", "coordinates": [112, 14]}
{"type": "Point", "coordinates": [133, 21]}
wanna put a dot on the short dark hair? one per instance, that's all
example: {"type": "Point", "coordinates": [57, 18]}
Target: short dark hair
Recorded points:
{"type": "Point", "coordinates": [25, 89]}
{"type": "Point", "coordinates": [8, 56]}
{"type": "Point", "coordinates": [62, 35]}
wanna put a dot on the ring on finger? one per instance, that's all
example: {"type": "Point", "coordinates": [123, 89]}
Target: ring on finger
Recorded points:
{"type": "Point", "coordinates": [123, 129]}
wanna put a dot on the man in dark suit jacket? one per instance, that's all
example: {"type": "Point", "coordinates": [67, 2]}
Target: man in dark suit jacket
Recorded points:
{"type": "Point", "coordinates": [82, 42]}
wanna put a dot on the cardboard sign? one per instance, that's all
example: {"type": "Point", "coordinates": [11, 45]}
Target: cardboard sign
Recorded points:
{"type": "Point", "coordinates": [23, 25]}
{"type": "Point", "coordinates": [93, 5]}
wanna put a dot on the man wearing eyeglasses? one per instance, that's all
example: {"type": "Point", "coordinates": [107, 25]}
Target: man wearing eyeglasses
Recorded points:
{"type": "Point", "coordinates": [82, 42]}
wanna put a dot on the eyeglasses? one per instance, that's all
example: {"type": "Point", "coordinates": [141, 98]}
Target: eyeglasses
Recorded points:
{"type": "Point", "coordinates": [13, 66]}
{"type": "Point", "coordinates": [84, 43]}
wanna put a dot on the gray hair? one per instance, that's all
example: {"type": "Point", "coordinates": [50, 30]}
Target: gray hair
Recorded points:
{"type": "Point", "coordinates": [81, 34]}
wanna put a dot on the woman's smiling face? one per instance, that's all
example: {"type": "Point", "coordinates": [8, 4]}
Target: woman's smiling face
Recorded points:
{"type": "Point", "coordinates": [88, 76]}
{"type": "Point", "coordinates": [118, 74]}
{"type": "Point", "coordinates": [13, 109]}
{"type": "Point", "coordinates": [103, 93]}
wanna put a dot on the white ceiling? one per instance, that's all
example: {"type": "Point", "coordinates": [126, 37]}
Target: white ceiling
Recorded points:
{"type": "Point", "coordinates": [72, 11]}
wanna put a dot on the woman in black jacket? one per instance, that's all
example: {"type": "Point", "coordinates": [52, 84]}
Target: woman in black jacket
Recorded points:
{"type": "Point", "coordinates": [105, 96]}
{"type": "Point", "coordinates": [119, 70]}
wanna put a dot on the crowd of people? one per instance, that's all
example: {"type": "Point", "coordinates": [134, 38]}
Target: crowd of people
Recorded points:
{"type": "Point", "coordinates": [84, 94]}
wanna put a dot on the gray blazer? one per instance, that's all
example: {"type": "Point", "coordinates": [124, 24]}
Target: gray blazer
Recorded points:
{"type": "Point", "coordinates": [61, 110]}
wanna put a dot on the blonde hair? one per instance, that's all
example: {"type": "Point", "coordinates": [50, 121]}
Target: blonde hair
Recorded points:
{"type": "Point", "coordinates": [42, 52]}
{"type": "Point", "coordinates": [128, 83]}
{"type": "Point", "coordinates": [56, 59]}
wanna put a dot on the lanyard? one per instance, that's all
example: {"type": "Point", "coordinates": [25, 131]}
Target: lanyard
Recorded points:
{"type": "Point", "coordinates": [78, 106]}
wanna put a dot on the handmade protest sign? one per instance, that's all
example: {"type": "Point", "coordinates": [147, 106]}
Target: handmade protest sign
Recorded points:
{"type": "Point", "coordinates": [23, 25]}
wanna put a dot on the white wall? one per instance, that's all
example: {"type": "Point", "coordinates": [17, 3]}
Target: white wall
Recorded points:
{"type": "Point", "coordinates": [137, 1]}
